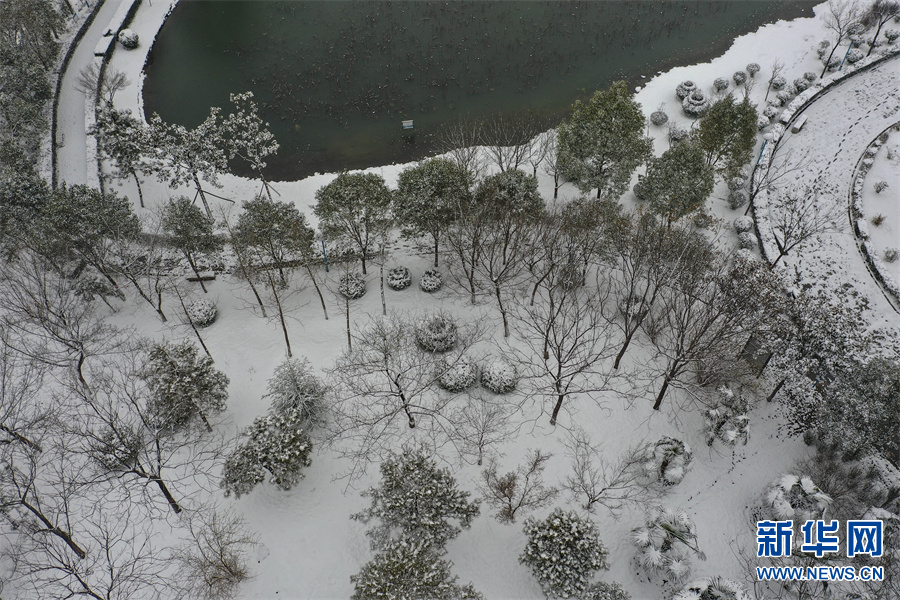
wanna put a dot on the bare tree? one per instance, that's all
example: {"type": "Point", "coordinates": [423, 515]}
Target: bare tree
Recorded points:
{"type": "Point", "coordinates": [839, 17]}
{"type": "Point", "coordinates": [598, 481]}
{"type": "Point", "coordinates": [542, 149]}
{"type": "Point", "coordinates": [461, 140]}
{"type": "Point", "coordinates": [482, 424]}
{"type": "Point", "coordinates": [146, 265]}
{"type": "Point", "coordinates": [244, 259]}
{"type": "Point", "coordinates": [766, 177]}
{"type": "Point", "coordinates": [777, 68]}
{"type": "Point", "coordinates": [509, 139]}
{"type": "Point", "coordinates": [799, 216]}
{"type": "Point", "coordinates": [553, 167]}
{"type": "Point", "coordinates": [88, 83]}
{"type": "Point", "coordinates": [879, 13]}
{"type": "Point", "coordinates": [520, 490]}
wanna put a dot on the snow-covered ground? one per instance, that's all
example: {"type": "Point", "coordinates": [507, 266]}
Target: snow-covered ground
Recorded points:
{"type": "Point", "coordinates": [309, 546]}
{"type": "Point", "coordinates": [881, 207]}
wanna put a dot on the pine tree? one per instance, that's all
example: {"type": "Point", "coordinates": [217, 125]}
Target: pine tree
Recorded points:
{"type": "Point", "coordinates": [726, 135]}
{"type": "Point", "coordinates": [294, 387]}
{"type": "Point", "coordinates": [409, 570]}
{"type": "Point", "coordinates": [124, 140]}
{"type": "Point", "coordinates": [277, 443]}
{"type": "Point", "coordinates": [429, 197]}
{"type": "Point", "coordinates": [563, 552]}
{"type": "Point", "coordinates": [355, 210]}
{"type": "Point", "coordinates": [678, 182]}
{"type": "Point", "coordinates": [183, 385]}
{"type": "Point", "coordinates": [603, 142]}
{"type": "Point", "coordinates": [277, 229]}
{"type": "Point", "coordinates": [247, 137]}
{"type": "Point", "coordinates": [415, 502]}
{"type": "Point", "coordinates": [190, 231]}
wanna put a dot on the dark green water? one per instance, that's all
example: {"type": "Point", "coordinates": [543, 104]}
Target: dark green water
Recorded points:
{"type": "Point", "coordinates": [335, 78]}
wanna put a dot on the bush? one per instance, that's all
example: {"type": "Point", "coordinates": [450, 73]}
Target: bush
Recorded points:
{"type": "Point", "coordinates": [778, 83]}
{"type": "Point", "coordinates": [736, 183]}
{"type": "Point", "coordinates": [801, 84]}
{"type": "Point", "coordinates": [668, 460]}
{"type": "Point", "coordinates": [696, 104]}
{"type": "Point", "coordinates": [822, 49]}
{"type": "Point", "coordinates": [701, 220]}
{"type": "Point", "coordinates": [753, 69]}
{"type": "Point", "coordinates": [436, 333]}
{"type": "Point", "coordinates": [892, 35]}
{"type": "Point", "coordinates": [659, 118]}
{"type": "Point", "coordinates": [762, 122]}
{"type": "Point", "coordinates": [431, 281]}
{"type": "Point", "coordinates": [712, 588]}
{"type": "Point", "coordinates": [665, 543]}
{"type": "Point", "coordinates": [676, 134]}
{"type": "Point", "coordinates": [770, 112]}
{"type": "Point", "coordinates": [737, 199]}
{"type": "Point", "coordinates": [783, 97]}
{"type": "Point", "coordinates": [458, 375]}
{"type": "Point", "coordinates": [202, 312]}
{"type": "Point", "coordinates": [743, 223]}
{"type": "Point", "coordinates": [293, 387]}
{"type": "Point", "coordinates": [746, 241]}
{"type": "Point", "coordinates": [795, 497]}
{"type": "Point", "coordinates": [880, 186]}
{"type": "Point", "coordinates": [605, 591]}
{"type": "Point", "coordinates": [640, 191]}
{"type": "Point", "coordinates": [128, 39]}
{"type": "Point", "coordinates": [834, 63]}
{"type": "Point", "coordinates": [739, 77]}
{"type": "Point", "coordinates": [720, 84]}
{"type": "Point", "coordinates": [891, 255]}
{"type": "Point", "coordinates": [399, 278]}
{"type": "Point", "coordinates": [352, 286]}
{"type": "Point", "coordinates": [810, 76]}
{"type": "Point", "coordinates": [727, 419]}
{"type": "Point", "coordinates": [563, 552]}
{"type": "Point", "coordinates": [854, 56]}
{"type": "Point", "coordinates": [684, 89]}
{"type": "Point", "coordinates": [499, 376]}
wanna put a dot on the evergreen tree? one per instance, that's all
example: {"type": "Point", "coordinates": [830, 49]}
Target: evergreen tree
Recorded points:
{"type": "Point", "coordinates": [23, 194]}
{"type": "Point", "coordinates": [678, 182]}
{"type": "Point", "coordinates": [603, 142]}
{"type": "Point", "coordinates": [409, 570]}
{"type": "Point", "coordinates": [277, 229]}
{"type": "Point", "coordinates": [726, 135]}
{"type": "Point", "coordinates": [190, 231]}
{"type": "Point", "coordinates": [123, 139]}
{"type": "Point", "coordinates": [355, 210]}
{"type": "Point", "coordinates": [247, 137]}
{"type": "Point", "coordinates": [183, 385]}
{"type": "Point", "coordinates": [563, 552]}
{"type": "Point", "coordinates": [429, 198]}
{"type": "Point", "coordinates": [277, 443]}
{"type": "Point", "coordinates": [415, 502]}
{"type": "Point", "coordinates": [294, 387]}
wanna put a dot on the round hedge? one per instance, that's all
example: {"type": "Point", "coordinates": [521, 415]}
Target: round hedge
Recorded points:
{"type": "Point", "coordinates": [457, 376]}
{"type": "Point", "coordinates": [436, 333]}
{"type": "Point", "coordinates": [431, 281]}
{"type": "Point", "coordinates": [684, 89]}
{"type": "Point", "coordinates": [202, 312]}
{"type": "Point", "coordinates": [659, 118]}
{"type": "Point", "coordinates": [352, 285]}
{"type": "Point", "coordinates": [399, 278]}
{"type": "Point", "coordinates": [499, 376]}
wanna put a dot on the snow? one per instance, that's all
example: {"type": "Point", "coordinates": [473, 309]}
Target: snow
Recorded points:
{"type": "Point", "coordinates": [309, 545]}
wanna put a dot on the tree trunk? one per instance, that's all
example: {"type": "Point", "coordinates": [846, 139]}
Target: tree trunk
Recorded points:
{"type": "Point", "coordinates": [190, 260]}
{"type": "Point", "coordinates": [559, 402]}
{"type": "Point", "coordinates": [318, 291]}
{"type": "Point", "coordinates": [776, 390]}
{"type": "Point", "coordinates": [202, 195]}
{"type": "Point", "coordinates": [381, 283]}
{"type": "Point", "coordinates": [622, 351]}
{"type": "Point", "coordinates": [187, 315]}
{"type": "Point", "coordinates": [875, 39]}
{"type": "Point", "coordinates": [363, 259]}
{"type": "Point", "coordinates": [21, 438]}
{"type": "Point", "coordinates": [435, 251]}
{"type": "Point", "coordinates": [662, 393]}
{"type": "Point", "coordinates": [347, 311]}
{"type": "Point", "coordinates": [502, 311]}
{"type": "Point", "coordinates": [140, 191]}
{"type": "Point", "coordinates": [54, 530]}
{"type": "Point", "coordinates": [165, 492]}
{"type": "Point", "coordinates": [772, 266]}
{"type": "Point", "coordinates": [825, 68]}
{"type": "Point", "coordinates": [287, 340]}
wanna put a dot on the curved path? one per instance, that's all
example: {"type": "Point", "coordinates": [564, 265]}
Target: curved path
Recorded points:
{"type": "Point", "coordinates": [71, 136]}
{"type": "Point", "coordinates": [840, 124]}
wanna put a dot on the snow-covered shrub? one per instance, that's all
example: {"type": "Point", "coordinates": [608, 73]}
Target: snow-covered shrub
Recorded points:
{"type": "Point", "coordinates": [294, 387]}
{"type": "Point", "coordinates": [810, 76]}
{"type": "Point", "coordinates": [854, 56]}
{"type": "Point", "coordinates": [276, 443]}
{"type": "Point", "coordinates": [436, 333]}
{"type": "Point", "coordinates": [795, 497]}
{"type": "Point", "coordinates": [128, 39]}
{"type": "Point", "coordinates": [720, 84]}
{"type": "Point", "coordinates": [892, 35]}
{"type": "Point", "coordinates": [880, 186]}
{"type": "Point", "coordinates": [822, 49]}
{"type": "Point", "coordinates": [778, 83]}
{"type": "Point", "coordinates": [431, 281]}
{"type": "Point", "coordinates": [762, 122]}
{"type": "Point", "coordinates": [457, 375]}
{"type": "Point", "coordinates": [639, 189]}
{"type": "Point", "coordinates": [696, 104]}
{"type": "Point", "coordinates": [737, 199]}
{"type": "Point", "coordinates": [676, 133]}
{"type": "Point", "coordinates": [399, 278]}
{"type": "Point", "coordinates": [891, 255]}
{"type": "Point", "coordinates": [770, 112]}
{"type": "Point", "coordinates": [736, 183]}
{"type": "Point", "coordinates": [684, 89]}
{"type": "Point", "coordinates": [727, 419]}
{"type": "Point", "coordinates": [605, 591]}
{"type": "Point", "coordinates": [202, 312]}
{"type": "Point", "coordinates": [746, 240]}
{"type": "Point", "coordinates": [563, 552]}
{"type": "Point", "coordinates": [701, 219]}
{"type": "Point", "coordinates": [499, 376]}
{"type": "Point", "coordinates": [801, 85]}
{"type": "Point", "coordinates": [659, 118]}
{"type": "Point", "coordinates": [668, 460]}
{"type": "Point", "coordinates": [666, 542]}
{"type": "Point", "coordinates": [739, 77]}
{"type": "Point", "coordinates": [713, 588]}
{"type": "Point", "coordinates": [784, 97]}
{"type": "Point", "coordinates": [743, 223]}
{"type": "Point", "coordinates": [856, 33]}
{"type": "Point", "coordinates": [352, 285]}
{"type": "Point", "coordinates": [753, 69]}
{"type": "Point", "coordinates": [834, 63]}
